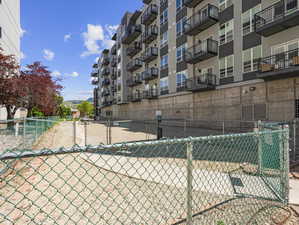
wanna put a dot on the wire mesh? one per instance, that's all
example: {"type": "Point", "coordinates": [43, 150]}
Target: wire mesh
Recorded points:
{"type": "Point", "coordinates": [204, 180]}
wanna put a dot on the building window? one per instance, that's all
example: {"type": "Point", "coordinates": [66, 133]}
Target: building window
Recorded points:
{"type": "Point", "coordinates": [226, 66]}
{"type": "Point", "coordinates": [223, 4]}
{"type": "Point", "coordinates": [181, 79]}
{"type": "Point", "coordinates": [164, 85]}
{"type": "Point", "coordinates": [164, 39]}
{"type": "Point", "coordinates": [164, 61]}
{"type": "Point", "coordinates": [179, 26]}
{"type": "Point", "coordinates": [251, 59]}
{"type": "Point", "coordinates": [248, 19]}
{"type": "Point", "coordinates": [226, 32]}
{"type": "Point", "coordinates": [179, 5]}
{"type": "Point", "coordinates": [164, 16]}
{"type": "Point", "coordinates": [180, 52]}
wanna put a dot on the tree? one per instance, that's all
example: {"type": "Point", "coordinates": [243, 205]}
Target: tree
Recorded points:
{"type": "Point", "coordinates": [12, 90]}
{"type": "Point", "coordinates": [85, 108]}
{"type": "Point", "coordinates": [42, 89]}
{"type": "Point", "coordinates": [64, 111]}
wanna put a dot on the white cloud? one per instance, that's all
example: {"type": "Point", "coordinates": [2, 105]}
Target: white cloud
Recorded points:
{"type": "Point", "coordinates": [97, 38]}
{"type": "Point", "coordinates": [67, 37]}
{"type": "Point", "coordinates": [73, 74]}
{"type": "Point", "coordinates": [56, 73]}
{"type": "Point", "coordinates": [48, 54]}
{"type": "Point", "coordinates": [97, 59]}
{"type": "Point", "coordinates": [22, 55]}
{"type": "Point", "coordinates": [23, 31]}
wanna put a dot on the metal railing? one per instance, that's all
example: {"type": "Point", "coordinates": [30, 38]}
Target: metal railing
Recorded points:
{"type": "Point", "coordinates": [227, 179]}
{"type": "Point", "coordinates": [202, 51]}
{"type": "Point", "coordinates": [202, 82]}
{"type": "Point", "coordinates": [201, 20]}
{"type": "Point", "coordinates": [134, 65]}
{"type": "Point", "coordinates": [150, 73]}
{"type": "Point", "coordinates": [150, 54]}
{"type": "Point", "coordinates": [279, 61]}
{"type": "Point", "coordinates": [275, 12]}
{"type": "Point", "coordinates": [150, 34]}
{"type": "Point", "coordinates": [149, 14]}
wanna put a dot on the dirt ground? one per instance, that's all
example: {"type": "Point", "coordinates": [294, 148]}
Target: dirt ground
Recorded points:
{"type": "Point", "coordinates": [68, 189]}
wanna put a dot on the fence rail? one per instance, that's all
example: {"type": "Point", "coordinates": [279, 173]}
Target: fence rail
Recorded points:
{"type": "Point", "coordinates": [231, 179]}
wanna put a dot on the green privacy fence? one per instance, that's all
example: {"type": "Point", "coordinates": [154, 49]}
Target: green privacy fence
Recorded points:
{"type": "Point", "coordinates": [206, 180]}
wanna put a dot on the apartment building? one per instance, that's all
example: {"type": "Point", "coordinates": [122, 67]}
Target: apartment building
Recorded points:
{"type": "Point", "coordinates": [207, 59]}
{"type": "Point", "coordinates": [10, 33]}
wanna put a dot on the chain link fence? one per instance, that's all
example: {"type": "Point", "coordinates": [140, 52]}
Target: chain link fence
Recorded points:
{"type": "Point", "coordinates": [224, 179]}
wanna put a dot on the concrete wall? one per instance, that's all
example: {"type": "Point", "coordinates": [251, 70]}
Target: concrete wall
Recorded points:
{"type": "Point", "coordinates": [273, 100]}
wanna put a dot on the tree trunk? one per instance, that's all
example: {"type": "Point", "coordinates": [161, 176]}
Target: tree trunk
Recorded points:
{"type": "Point", "coordinates": [11, 111]}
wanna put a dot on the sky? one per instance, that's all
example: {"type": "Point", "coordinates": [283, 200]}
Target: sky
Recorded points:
{"type": "Point", "coordinates": [68, 36]}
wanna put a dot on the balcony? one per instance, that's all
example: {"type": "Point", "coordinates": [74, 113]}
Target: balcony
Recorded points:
{"type": "Point", "coordinates": [134, 65]}
{"type": "Point", "coordinates": [150, 34]}
{"type": "Point", "coordinates": [113, 73]}
{"type": "Point", "coordinates": [200, 52]}
{"type": "Point", "coordinates": [134, 48]}
{"type": "Point", "coordinates": [135, 97]}
{"type": "Point", "coordinates": [113, 61]}
{"type": "Point", "coordinates": [114, 50]}
{"type": "Point", "coordinates": [134, 80]}
{"type": "Point", "coordinates": [202, 20]}
{"type": "Point", "coordinates": [94, 73]}
{"type": "Point", "coordinates": [95, 66]}
{"type": "Point", "coordinates": [283, 65]}
{"type": "Point", "coordinates": [105, 92]}
{"type": "Point", "coordinates": [106, 82]}
{"type": "Point", "coordinates": [106, 61]}
{"type": "Point", "coordinates": [107, 103]}
{"type": "Point", "coordinates": [150, 74]}
{"type": "Point", "coordinates": [146, 1]}
{"type": "Point", "coordinates": [150, 14]}
{"type": "Point", "coordinates": [202, 82]}
{"type": "Point", "coordinates": [191, 3]}
{"type": "Point", "coordinates": [95, 82]}
{"type": "Point", "coordinates": [276, 18]}
{"type": "Point", "coordinates": [150, 54]}
{"type": "Point", "coordinates": [152, 93]}
{"type": "Point", "coordinates": [131, 33]}
{"type": "Point", "coordinates": [105, 71]}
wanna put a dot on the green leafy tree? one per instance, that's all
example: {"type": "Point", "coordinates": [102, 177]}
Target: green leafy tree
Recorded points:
{"type": "Point", "coordinates": [64, 111]}
{"type": "Point", "coordinates": [35, 112]}
{"type": "Point", "coordinates": [85, 108]}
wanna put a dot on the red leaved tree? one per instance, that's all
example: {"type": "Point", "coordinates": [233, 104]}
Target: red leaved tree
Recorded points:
{"type": "Point", "coordinates": [12, 91]}
{"type": "Point", "coordinates": [42, 89]}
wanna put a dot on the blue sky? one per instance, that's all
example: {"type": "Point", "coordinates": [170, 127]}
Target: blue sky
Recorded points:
{"type": "Point", "coordinates": [67, 35]}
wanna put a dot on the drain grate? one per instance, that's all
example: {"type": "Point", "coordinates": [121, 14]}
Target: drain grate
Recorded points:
{"type": "Point", "coordinates": [236, 181]}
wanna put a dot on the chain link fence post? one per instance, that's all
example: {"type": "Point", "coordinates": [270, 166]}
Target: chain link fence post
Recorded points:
{"type": "Point", "coordinates": [294, 139]}
{"type": "Point", "coordinates": [74, 132]}
{"type": "Point", "coordinates": [257, 130]}
{"type": "Point", "coordinates": [85, 133]}
{"type": "Point", "coordinates": [24, 132]}
{"type": "Point", "coordinates": [223, 127]}
{"type": "Point", "coordinates": [189, 182]}
{"type": "Point", "coordinates": [35, 135]}
{"type": "Point", "coordinates": [285, 163]}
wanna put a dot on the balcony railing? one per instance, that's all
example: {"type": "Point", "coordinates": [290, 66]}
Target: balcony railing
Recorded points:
{"type": "Point", "coordinates": [134, 65]}
{"type": "Point", "coordinates": [150, 34]}
{"type": "Point", "coordinates": [201, 20]}
{"type": "Point", "coordinates": [114, 49]}
{"type": "Point", "coordinates": [95, 66]}
{"type": "Point", "coordinates": [114, 61]}
{"type": "Point", "coordinates": [276, 18]}
{"type": "Point", "coordinates": [285, 64]}
{"type": "Point", "coordinates": [150, 14]}
{"type": "Point", "coordinates": [150, 54]}
{"type": "Point", "coordinates": [202, 82]}
{"type": "Point", "coordinates": [113, 73]}
{"type": "Point", "coordinates": [95, 82]}
{"type": "Point", "coordinates": [105, 92]}
{"type": "Point", "coordinates": [146, 1]}
{"type": "Point", "coordinates": [152, 93]}
{"type": "Point", "coordinates": [191, 3]}
{"type": "Point", "coordinates": [105, 82]}
{"type": "Point", "coordinates": [134, 80]}
{"type": "Point", "coordinates": [150, 74]}
{"type": "Point", "coordinates": [131, 33]}
{"type": "Point", "coordinates": [106, 61]}
{"type": "Point", "coordinates": [94, 73]}
{"type": "Point", "coordinates": [202, 51]}
{"type": "Point", "coordinates": [135, 97]}
{"type": "Point", "coordinates": [134, 48]}
{"type": "Point", "coordinates": [105, 71]}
